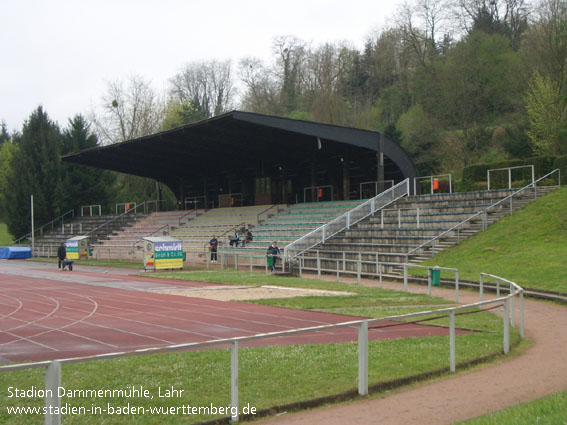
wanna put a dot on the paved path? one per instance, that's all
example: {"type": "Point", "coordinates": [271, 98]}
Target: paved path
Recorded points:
{"type": "Point", "coordinates": [539, 371]}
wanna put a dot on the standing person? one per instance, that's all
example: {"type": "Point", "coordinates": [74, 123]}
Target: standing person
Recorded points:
{"type": "Point", "coordinates": [214, 244]}
{"type": "Point", "coordinates": [273, 251]}
{"type": "Point", "coordinates": [61, 254]}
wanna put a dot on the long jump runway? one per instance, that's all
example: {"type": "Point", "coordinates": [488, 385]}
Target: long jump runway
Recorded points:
{"type": "Point", "coordinates": [47, 314]}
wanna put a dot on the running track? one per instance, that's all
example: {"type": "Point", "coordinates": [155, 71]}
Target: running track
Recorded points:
{"type": "Point", "coordinates": [46, 314]}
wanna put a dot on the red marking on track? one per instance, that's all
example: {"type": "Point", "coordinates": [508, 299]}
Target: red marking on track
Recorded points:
{"type": "Point", "coordinates": [44, 318]}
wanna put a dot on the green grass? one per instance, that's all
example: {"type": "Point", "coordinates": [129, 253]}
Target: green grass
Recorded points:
{"type": "Point", "coordinates": [550, 410]}
{"type": "Point", "coordinates": [268, 376]}
{"type": "Point", "coordinates": [5, 237]}
{"type": "Point", "coordinates": [528, 248]}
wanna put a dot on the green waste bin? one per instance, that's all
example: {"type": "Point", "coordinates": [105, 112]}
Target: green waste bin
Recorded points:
{"type": "Point", "coordinates": [184, 256]}
{"type": "Point", "coordinates": [270, 259]}
{"type": "Point", "coordinates": [435, 276]}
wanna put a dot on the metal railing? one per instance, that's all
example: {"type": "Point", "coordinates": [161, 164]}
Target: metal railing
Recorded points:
{"type": "Point", "coordinates": [483, 215]}
{"type": "Point", "coordinates": [375, 183]}
{"type": "Point", "coordinates": [509, 169]}
{"type": "Point", "coordinates": [120, 218]}
{"type": "Point", "coordinates": [51, 223]}
{"type": "Point", "coordinates": [126, 206]}
{"type": "Point", "coordinates": [506, 302]}
{"type": "Point", "coordinates": [315, 189]}
{"type": "Point", "coordinates": [367, 208]}
{"type": "Point", "coordinates": [90, 208]}
{"type": "Point", "coordinates": [432, 178]}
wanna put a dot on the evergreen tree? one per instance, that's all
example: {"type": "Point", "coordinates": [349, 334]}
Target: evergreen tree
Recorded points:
{"type": "Point", "coordinates": [36, 170]}
{"type": "Point", "coordinates": [4, 135]}
{"type": "Point", "coordinates": [83, 185]}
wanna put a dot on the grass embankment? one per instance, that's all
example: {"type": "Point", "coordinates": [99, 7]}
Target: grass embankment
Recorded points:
{"type": "Point", "coordinates": [528, 248]}
{"type": "Point", "coordinates": [5, 237]}
{"type": "Point", "coordinates": [550, 410]}
{"type": "Point", "coordinates": [268, 376]}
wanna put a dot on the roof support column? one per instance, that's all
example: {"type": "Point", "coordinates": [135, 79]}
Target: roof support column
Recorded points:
{"type": "Point", "coordinates": [181, 197]}
{"type": "Point", "coordinates": [380, 163]}
{"type": "Point", "coordinates": [346, 177]}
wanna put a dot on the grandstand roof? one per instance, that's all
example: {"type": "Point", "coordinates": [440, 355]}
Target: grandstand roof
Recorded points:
{"type": "Point", "coordinates": [232, 142]}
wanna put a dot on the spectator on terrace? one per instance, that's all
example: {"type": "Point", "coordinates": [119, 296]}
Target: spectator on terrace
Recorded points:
{"type": "Point", "coordinates": [235, 239]}
{"type": "Point", "coordinates": [214, 244]}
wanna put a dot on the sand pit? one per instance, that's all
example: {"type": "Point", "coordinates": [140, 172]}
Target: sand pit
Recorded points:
{"type": "Point", "coordinates": [238, 293]}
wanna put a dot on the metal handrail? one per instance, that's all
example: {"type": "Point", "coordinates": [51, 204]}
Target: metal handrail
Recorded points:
{"type": "Point", "coordinates": [483, 212]}
{"type": "Point", "coordinates": [347, 218]}
{"type": "Point", "coordinates": [264, 212]}
{"type": "Point", "coordinates": [40, 229]}
{"type": "Point", "coordinates": [121, 216]}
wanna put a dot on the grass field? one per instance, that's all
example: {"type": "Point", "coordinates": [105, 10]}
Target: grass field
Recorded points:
{"type": "Point", "coordinates": [5, 237]}
{"type": "Point", "coordinates": [269, 376]}
{"type": "Point", "coordinates": [528, 248]}
{"type": "Point", "coordinates": [550, 410]}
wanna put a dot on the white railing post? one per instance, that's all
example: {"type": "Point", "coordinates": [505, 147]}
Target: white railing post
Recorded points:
{"type": "Point", "coordinates": [405, 277]}
{"type": "Point", "coordinates": [481, 287]}
{"type": "Point", "coordinates": [318, 266]}
{"type": "Point", "coordinates": [429, 281]}
{"type": "Point", "coordinates": [363, 358]}
{"type": "Point", "coordinates": [512, 315]}
{"type": "Point", "coordinates": [348, 220]}
{"type": "Point", "coordinates": [52, 400]}
{"type": "Point", "coordinates": [457, 285]}
{"type": "Point", "coordinates": [506, 327]}
{"type": "Point", "coordinates": [234, 380]}
{"type": "Point", "coordinates": [522, 314]}
{"type": "Point", "coordinates": [452, 340]}
{"type": "Point", "coordinates": [417, 217]}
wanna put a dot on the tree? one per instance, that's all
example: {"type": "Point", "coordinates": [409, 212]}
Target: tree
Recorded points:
{"type": "Point", "coordinates": [7, 151]}
{"type": "Point", "coordinates": [128, 111]}
{"type": "Point", "coordinates": [290, 55]}
{"type": "Point", "coordinates": [546, 109]}
{"type": "Point", "coordinates": [36, 170]}
{"type": "Point", "coordinates": [206, 88]}
{"type": "Point", "coordinates": [83, 185]}
{"type": "Point", "coordinates": [262, 93]}
{"type": "Point", "coordinates": [4, 134]}
{"type": "Point", "coordinates": [420, 139]}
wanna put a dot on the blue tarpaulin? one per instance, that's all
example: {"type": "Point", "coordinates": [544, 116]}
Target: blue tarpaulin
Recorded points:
{"type": "Point", "coordinates": [14, 252]}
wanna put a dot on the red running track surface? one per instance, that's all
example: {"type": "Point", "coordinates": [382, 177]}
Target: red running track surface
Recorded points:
{"type": "Point", "coordinates": [46, 314]}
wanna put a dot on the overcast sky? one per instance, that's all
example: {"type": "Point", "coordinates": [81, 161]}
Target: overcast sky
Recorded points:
{"type": "Point", "coordinates": [62, 53]}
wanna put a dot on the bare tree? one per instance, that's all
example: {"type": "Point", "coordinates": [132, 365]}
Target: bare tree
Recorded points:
{"type": "Point", "coordinates": [262, 92]}
{"type": "Point", "coordinates": [207, 86]}
{"type": "Point", "coordinates": [290, 52]}
{"type": "Point", "coordinates": [422, 24]}
{"type": "Point", "coordinates": [128, 110]}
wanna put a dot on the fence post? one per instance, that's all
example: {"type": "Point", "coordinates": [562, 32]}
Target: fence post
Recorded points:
{"type": "Point", "coordinates": [358, 267]}
{"type": "Point", "coordinates": [512, 318]}
{"type": "Point", "coordinates": [405, 277]}
{"type": "Point", "coordinates": [363, 358]}
{"type": "Point", "coordinates": [318, 266]}
{"type": "Point", "coordinates": [452, 339]}
{"type": "Point", "coordinates": [337, 270]}
{"type": "Point", "coordinates": [481, 287]}
{"type": "Point", "coordinates": [382, 218]}
{"type": "Point", "coordinates": [506, 328]}
{"type": "Point", "coordinates": [457, 285]}
{"type": "Point", "coordinates": [522, 314]}
{"type": "Point", "coordinates": [429, 282]}
{"type": "Point", "coordinates": [234, 380]}
{"type": "Point", "coordinates": [344, 261]}
{"type": "Point", "coordinates": [52, 400]}
{"type": "Point", "coordinates": [250, 263]}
